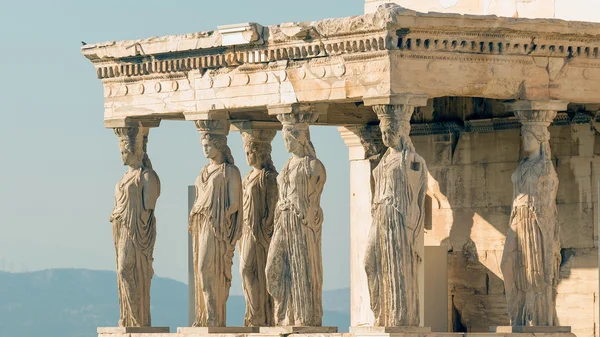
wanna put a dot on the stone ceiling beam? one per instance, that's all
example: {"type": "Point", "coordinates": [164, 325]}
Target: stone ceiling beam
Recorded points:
{"type": "Point", "coordinates": [128, 122]}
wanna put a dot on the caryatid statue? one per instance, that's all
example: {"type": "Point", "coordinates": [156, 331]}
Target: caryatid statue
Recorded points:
{"type": "Point", "coordinates": [260, 200]}
{"type": "Point", "coordinates": [392, 258]}
{"type": "Point", "coordinates": [294, 263]}
{"type": "Point", "coordinates": [531, 258]}
{"type": "Point", "coordinates": [134, 227]}
{"type": "Point", "coordinates": [215, 224]}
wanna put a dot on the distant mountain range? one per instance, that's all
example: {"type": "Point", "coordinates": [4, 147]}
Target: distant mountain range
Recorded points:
{"type": "Point", "coordinates": [73, 302]}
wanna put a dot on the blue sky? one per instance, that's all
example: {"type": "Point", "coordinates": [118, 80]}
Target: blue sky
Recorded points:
{"type": "Point", "coordinates": [59, 164]}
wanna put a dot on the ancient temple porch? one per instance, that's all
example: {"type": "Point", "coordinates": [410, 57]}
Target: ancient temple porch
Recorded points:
{"type": "Point", "coordinates": [464, 76]}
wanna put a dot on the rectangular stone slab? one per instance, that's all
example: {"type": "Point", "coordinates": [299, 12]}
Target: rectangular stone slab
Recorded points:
{"type": "Point", "coordinates": [121, 330]}
{"type": "Point", "coordinates": [389, 329]}
{"type": "Point", "coordinates": [530, 329]}
{"type": "Point", "coordinates": [218, 329]}
{"type": "Point", "coordinates": [298, 329]}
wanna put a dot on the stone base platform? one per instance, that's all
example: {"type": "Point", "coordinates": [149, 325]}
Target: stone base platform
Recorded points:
{"type": "Point", "coordinates": [399, 331]}
{"type": "Point", "coordinates": [106, 331]}
{"type": "Point", "coordinates": [530, 329]}
{"type": "Point", "coordinates": [228, 332]}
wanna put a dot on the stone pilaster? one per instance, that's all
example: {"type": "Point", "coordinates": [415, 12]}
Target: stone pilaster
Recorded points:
{"type": "Point", "coordinates": [365, 150]}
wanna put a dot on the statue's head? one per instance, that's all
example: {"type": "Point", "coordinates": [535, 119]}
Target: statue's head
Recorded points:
{"type": "Point", "coordinates": [295, 137]}
{"type": "Point", "coordinates": [534, 136]}
{"type": "Point", "coordinates": [215, 147]}
{"type": "Point", "coordinates": [257, 145]}
{"type": "Point", "coordinates": [296, 133]}
{"type": "Point", "coordinates": [535, 133]}
{"type": "Point", "coordinates": [394, 122]}
{"type": "Point", "coordinates": [131, 145]}
{"type": "Point", "coordinates": [214, 140]}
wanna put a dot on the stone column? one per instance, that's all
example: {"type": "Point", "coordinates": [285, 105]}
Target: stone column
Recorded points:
{"type": "Point", "coordinates": [134, 224]}
{"type": "Point", "coordinates": [396, 295]}
{"type": "Point", "coordinates": [260, 201]}
{"type": "Point", "coordinates": [294, 264]}
{"type": "Point", "coordinates": [531, 258]}
{"type": "Point", "coordinates": [365, 149]}
{"type": "Point", "coordinates": [215, 224]}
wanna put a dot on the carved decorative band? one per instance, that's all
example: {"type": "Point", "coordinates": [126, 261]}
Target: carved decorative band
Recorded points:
{"type": "Point", "coordinates": [498, 46]}
{"type": "Point", "coordinates": [421, 41]}
{"type": "Point", "coordinates": [214, 126]}
{"type": "Point", "coordinates": [236, 58]}
{"type": "Point", "coordinates": [492, 125]}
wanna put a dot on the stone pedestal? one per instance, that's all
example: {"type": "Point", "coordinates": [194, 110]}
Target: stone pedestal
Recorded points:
{"type": "Point", "coordinates": [530, 329]}
{"type": "Point", "coordinates": [366, 330]}
{"type": "Point", "coordinates": [400, 331]}
{"type": "Point", "coordinates": [365, 148]}
{"type": "Point", "coordinates": [111, 331]}
{"type": "Point", "coordinates": [217, 330]}
{"type": "Point", "coordinates": [277, 330]}
{"type": "Point", "coordinates": [519, 334]}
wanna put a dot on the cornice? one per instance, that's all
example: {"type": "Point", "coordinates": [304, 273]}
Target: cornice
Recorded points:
{"type": "Point", "coordinates": [416, 35]}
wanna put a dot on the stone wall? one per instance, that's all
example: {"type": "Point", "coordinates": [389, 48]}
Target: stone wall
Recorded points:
{"type": "Point", "coordinates": [471, 196]}
{"type": "Point", "coordinates": [577, 10]}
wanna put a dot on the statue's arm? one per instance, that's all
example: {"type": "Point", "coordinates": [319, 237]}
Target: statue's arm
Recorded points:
{"type": "Point", "coordinates": [234, 190]}
{"type": "Point", "coordinates": [151, 190]}
{"type": "Point", "coordinates": [319, 175]}
{"type": "Point", "coordinates": [112, 214]}
{"type": "Point", "coordinates": [545, 201]}
{"type": "Point", "coordinates": [421, 198]}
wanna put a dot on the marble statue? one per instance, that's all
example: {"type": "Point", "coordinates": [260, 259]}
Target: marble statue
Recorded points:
{"type": "Point", "coordinates": [531, 258]}
{"type": "Point", "coordinates": [392, 259]}
{"type": "Point", "coordinates": [260, 200]}
{"type": "Point", "coordinates": [294, 265]}
{"type": "Point", "coordinates": [215, 224]}
{"type": "Point", "coordinates": [134, 227]}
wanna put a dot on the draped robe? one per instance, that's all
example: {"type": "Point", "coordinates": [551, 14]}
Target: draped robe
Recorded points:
{"type": "Point", "coordinates": [531, 258]}
{"type": "Point", "coordinates": [134, 234]}
{"type": "Point", "coordinates": [392, 260]}
{"type": "Point", "coordinates": [213, 238]}
{"type": "Point", "coordinates": [294, 264]}
{"type": "Point", "coordinates": [260, 198]}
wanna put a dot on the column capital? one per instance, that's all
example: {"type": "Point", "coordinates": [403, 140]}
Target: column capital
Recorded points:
{"type": "Point", "coordinates": [130, 122]}
{"type": "Point", "coordinates": [363, 141]}
{"type": "Point", "coordinates": [213, 126]}
{"type": "Point", "coordinates": [402, 113]}
{"type": "Point", "coordinates": [532, 113]}
{"type": "Point", "coordinates": [414, 100]}
{"type": "Point", "coordinates": [258, 132]}
{"type": "Point", "coordinates": [319, 109]}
